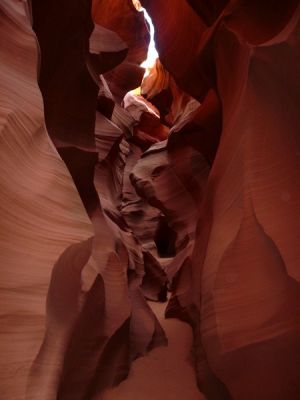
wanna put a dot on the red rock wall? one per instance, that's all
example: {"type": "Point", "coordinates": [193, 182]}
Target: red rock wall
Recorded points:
{"type": "Point", "coordinates": [110, 200]}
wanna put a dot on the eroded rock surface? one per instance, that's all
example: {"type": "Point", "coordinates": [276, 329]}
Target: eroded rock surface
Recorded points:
{"type": "Point", "coordinates": [180, 198]}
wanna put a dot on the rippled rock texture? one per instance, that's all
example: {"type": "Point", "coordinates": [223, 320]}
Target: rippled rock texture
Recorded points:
{"type": "Point", "coordinates": [120, 207]}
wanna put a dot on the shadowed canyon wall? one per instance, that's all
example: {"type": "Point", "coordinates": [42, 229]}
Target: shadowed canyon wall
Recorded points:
{"type": "Point", "coordinates": [149, 237]}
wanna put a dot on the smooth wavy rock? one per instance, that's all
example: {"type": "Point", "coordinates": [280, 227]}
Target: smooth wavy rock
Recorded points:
{"type": "Point", "coordinates": [176, 24]}
{"type": "Point", "coordinates": [122, 18]}
{"type": "Point", "coordinates": [68, 89]}
{"type": "Point", "coordinates": [144, 221]}
{"type": "Point", "coordinates": [97, 283]}
{"type": "Point", "coordinates": [191, 188]}
{"type": "Point", "coordinates": [208, 12]}
{"type": "Point", "coordinates": [41, 213]}
{"type": "Point", "coordinates": [141, 337]}
{"type": "Point", "coordinates": [243, 273]}
{"type": "Point", "coordinates": [162, 178]}
{"type": "Point", "coordinates": [200, 127]}
{"type": "Point", "coordinates": [246, 257]}
{"type": "Point", "coordinates": [160, 88]}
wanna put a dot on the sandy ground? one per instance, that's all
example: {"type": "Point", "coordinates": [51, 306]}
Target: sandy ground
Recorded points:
{"type": "Point", "coordinates": [166, 373]}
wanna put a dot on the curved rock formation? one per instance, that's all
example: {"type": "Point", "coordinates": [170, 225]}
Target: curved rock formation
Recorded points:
{"type": "Point", "coordinates": [180, 197]}
{"type": "Point", "coordinates": [41, 212]}
{"type": "Point", "coordinates": [244, 280]}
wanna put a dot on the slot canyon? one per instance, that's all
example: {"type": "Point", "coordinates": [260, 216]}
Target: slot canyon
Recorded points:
{"type": "Point", "coordinates": [149, 200]}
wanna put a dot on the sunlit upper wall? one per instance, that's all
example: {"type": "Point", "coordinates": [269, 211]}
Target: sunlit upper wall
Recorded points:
{"type": "Point", "coordinates": [152, 53]}
{"type": "Point", "coordinates": [137, 5]}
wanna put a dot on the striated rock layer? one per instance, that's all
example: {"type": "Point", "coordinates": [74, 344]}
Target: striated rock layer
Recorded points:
{"type": "Point", "coordinates": [184, 191]}
{"type": "Point", "coordinates": [244, 288]}
{"type": "Point", "coordinates": [43, 222]}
